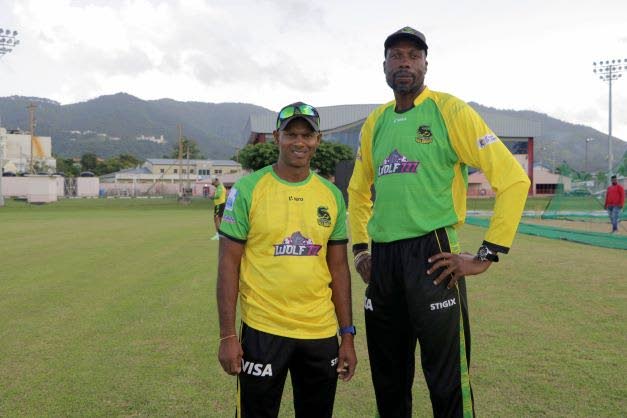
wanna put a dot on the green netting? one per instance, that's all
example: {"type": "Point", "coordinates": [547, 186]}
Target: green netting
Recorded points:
{"type": "Point", "coordinates": [578, 201]}
{"type": "Point", "coordinates": [598, 239]}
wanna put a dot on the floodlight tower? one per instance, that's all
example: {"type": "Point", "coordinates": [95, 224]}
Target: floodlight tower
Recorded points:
{"type": "Point", "coordinates": [8, 42]}
{"type": "Point", "coordinates": [609, 71]}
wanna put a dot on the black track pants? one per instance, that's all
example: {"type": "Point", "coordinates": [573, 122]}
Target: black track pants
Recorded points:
{"type": "Point", "coordinates": [267, 359]}
{"type": "Point", "coordinates": [403, 306]}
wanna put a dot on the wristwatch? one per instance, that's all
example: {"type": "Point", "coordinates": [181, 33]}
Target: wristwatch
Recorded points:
{"type": "Point", "coordinates": [348, 330]}
{"type": "Point", "coordinates": [485, 254]}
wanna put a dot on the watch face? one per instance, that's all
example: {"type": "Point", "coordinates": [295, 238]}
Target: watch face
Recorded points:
{"type": "Point", "coordinates": [483, 251]}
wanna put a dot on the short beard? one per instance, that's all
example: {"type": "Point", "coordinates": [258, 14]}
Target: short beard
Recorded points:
{"type": "Point", "coordinates": [403, 89]}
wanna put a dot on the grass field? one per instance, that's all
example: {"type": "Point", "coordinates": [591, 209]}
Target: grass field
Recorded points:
{"type": "Point", "coordinates": [107, 308]}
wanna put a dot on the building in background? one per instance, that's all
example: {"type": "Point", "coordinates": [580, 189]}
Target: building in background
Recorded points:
{"type": "Point", "coordinates": [17, 150]}
{"type": "Point", "coordinates": [164, 176]}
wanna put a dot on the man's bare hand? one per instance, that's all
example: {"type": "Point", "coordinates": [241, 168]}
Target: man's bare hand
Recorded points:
{"type": "Point", "coordinates": [230, 355]}
{"type": "Point", "coordinates": [456, 266]}
{"type": "Point", "coordinates": [363, 264]}
{"type": "Point", "coordinates": [347, 359]}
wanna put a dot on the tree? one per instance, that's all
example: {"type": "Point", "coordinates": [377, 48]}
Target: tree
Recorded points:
{"type": "Point", "coordinates": [253, 157]}
{"type": "Point", "coordinates": [89, 162]}
{"type": "Point", "coordinates": [601, 178]}
{"type": "Point", "coordinates": [188, 144]}
{"type": "Point", "coordinates": [328, 155]}
{"type": "Point", "coordinates": [68, 167]}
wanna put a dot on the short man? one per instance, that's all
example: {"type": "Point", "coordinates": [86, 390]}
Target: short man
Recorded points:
{"type": "Point", "coordinates": [283, 249]}
{"type": "Point", "coordinates": [219, 199]}
{"type": "Point", "coordinates": [614, 202]}
{"type": "Point", "coordinates": [415, 150]}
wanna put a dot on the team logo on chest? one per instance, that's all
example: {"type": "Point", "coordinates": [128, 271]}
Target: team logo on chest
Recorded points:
{"type": "Point", "coordinates": [424, 135]}
{"type": "Point", "coordinates": [296, 245]}
{"type": "Point", "coordinates": [324, 219]}
{"type": "Point", "coordinates": [396, 163]}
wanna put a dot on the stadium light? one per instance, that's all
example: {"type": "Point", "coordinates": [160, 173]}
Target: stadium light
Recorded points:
{"type": "Point", "coordinates": [609, 71]}
{"type": "Point", "coordinates": [8, 42]}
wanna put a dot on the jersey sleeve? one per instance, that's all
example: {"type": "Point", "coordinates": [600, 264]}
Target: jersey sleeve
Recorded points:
{"type": "Point", "coordinates": [339, 234]}
{"type": "Point", "coordinates": [235, 221]}
{"type": "Point", "coordinates": [477, 146]}
{"type": "Point", "coordinates": [360, 185]}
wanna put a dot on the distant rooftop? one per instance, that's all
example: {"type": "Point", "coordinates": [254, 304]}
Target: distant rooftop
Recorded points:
{"type": "Point", "coordinates": [334, 117]}
{"type": "Point", "coordinates": [174, 161]}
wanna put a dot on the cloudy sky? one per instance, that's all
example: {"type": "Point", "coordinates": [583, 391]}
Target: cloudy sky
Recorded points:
{"type": "Point", "coordinates": [510, 54]}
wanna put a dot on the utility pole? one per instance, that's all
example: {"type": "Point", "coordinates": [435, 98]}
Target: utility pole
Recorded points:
{"type": "Point", "coordinates": [588, 140]}
{"type": "Point", "coordinates": [180, 128]}
{"type": "Point", "coordinates": [31, 117]}
{"type": "Point", "coordinates": [609, 71]}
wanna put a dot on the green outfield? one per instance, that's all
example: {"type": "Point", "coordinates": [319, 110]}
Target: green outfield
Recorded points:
{"type": "Point", "coordinates": [107, 308]}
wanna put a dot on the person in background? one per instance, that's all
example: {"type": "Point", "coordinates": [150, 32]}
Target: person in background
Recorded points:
{"type": "Point", "coordinates": [219, 199]}
{"type": "Point", "coordinates": [415, 151]}
{"type": "Point", "coordinates": [283, 251]}
{"type": "Point", "coordinates": [614, 202]}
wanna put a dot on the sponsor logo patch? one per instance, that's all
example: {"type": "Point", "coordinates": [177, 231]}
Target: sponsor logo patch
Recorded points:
{"type": "Point", "coordinates": [256, 369]}
{"type": "Point", "coordinates": [443, 305]}
{"type": "Point", "coordinates": [484, 141]}
{"type": "Point", "coordinates": [228, 219]}
{"type": "Point", "coordinates": [324, 219]}
{"type": "Point", "coordinates": [297, 245]}
{"type": "Point", "coordinates": [396, 163]}
{"type": "Point", "coordinates": [230, 201]}
{"type": "Point", "coordinates": [424, 135]}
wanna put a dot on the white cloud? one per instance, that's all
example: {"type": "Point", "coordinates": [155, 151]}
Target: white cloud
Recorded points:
{"type": "Point", "coordinates": [518, 55]}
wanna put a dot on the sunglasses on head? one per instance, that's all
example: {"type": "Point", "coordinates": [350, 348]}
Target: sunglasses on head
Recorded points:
{"type": "Point", "coordinates": [301, 109]}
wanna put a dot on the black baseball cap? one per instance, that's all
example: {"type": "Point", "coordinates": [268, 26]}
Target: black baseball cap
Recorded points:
{"type": "Point", "coordinates": [408, 33]}
{"type": "Point", "coordinates": [298, 110]}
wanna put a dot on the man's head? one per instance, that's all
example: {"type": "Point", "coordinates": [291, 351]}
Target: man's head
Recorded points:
{"type": "Point", "coordinates": [405, 62]}
{"type": "Point", "coordinates": [215, 180]}
{"type": "Point", "coordinates": [614, 180]}
{"type": "Point", "coordinates": [297, 134]}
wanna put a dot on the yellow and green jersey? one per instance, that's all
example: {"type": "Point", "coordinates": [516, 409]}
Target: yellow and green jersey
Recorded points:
{"type": "Point", "coordinates": [286, 227]}
{"type": "Point", "coordinates": [417, 161]}
{"type": "Point", "coordinates": [219, 196]}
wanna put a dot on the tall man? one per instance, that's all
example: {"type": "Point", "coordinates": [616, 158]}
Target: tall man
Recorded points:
{"type": "Point", "coordinates": [219, 199]}
{"type": "Point", "coordinates": [614, 202]}
{"type": "Point", "coordinates": [415, 151]}
{"type": "Point", "coordinates": [283, 250]}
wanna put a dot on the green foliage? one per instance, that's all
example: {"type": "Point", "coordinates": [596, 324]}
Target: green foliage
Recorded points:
{"type": "Point", "coordinates": [564, 169]}
{"type": "Point", "coordinates": [622, 168]}
{"type": "Point", "coordinates": [89, 162]}
{"type": "Point", "coordinates": [601, 178]}
{"type": "Point", "coordinates": [328, 155]}
{"type": "Point", "coordinates": [255, 157]}
{"type": "Point", "coordinates": [190, 150]}
{"type": "Point", "coordinates": [68, 166]}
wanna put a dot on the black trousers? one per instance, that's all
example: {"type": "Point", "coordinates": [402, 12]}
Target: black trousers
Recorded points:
{"type": "Point", "coordinates": [403, 306]}
{"type": "Point", "coordinates": [267, 358]}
